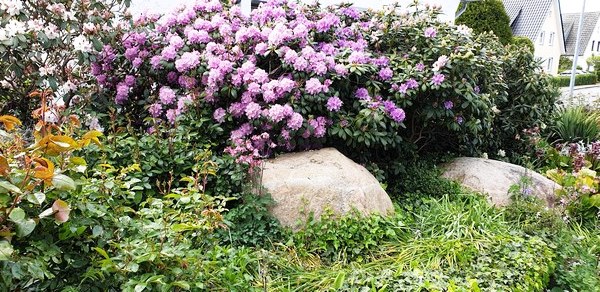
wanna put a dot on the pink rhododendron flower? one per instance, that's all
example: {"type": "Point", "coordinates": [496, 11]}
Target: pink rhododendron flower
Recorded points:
{"type": "Point", "coordinates": [430, 32]}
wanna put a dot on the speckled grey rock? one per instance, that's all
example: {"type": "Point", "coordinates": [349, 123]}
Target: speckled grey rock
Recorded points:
{"type": "Point", "coordinates": [494, 178]}
{"type": "Point", "coordinates": [313, 181]}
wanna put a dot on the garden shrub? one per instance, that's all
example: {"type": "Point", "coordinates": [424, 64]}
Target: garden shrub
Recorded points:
{"type": "Point", "coordinates": [521, 41]}
{"type": "Point", "coordinates": [486, 16]}
{"type": "Point", "coordinates": [530, 103]}
{"type": "Point", "coordinates": [419, 180]}
{"type": "Point", "coordinates": [304, 77]}
{"type": "Point", "coordinates": [48, 45]}
{"type": "Point", "coordinates": [580, 79]}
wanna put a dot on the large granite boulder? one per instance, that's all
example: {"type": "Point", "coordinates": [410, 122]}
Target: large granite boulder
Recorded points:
{"type": "Point", "coordinates": [494, 178]}
{"type": "Point", "coordinates": [311, 182]}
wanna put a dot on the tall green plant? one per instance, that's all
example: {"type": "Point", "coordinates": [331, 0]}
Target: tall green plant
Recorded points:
{"type": "Point", "coordinates": [573, 124]}
{"type": "Point", "coordinates": [485, 16]}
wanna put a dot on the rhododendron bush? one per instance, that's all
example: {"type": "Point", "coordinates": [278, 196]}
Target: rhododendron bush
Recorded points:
{"type": "Point", "coordinates": [47, 45]}
{"type": "Point", "coordinates": [293, 76]}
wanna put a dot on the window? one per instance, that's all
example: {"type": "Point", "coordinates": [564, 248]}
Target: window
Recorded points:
{"type": "Point", "coordinates": [551, 39]}
{"type": "Point", "coordinates": [550, 64]}
{"type": "Point", "coordinates": [593, 42]}
{"type": "Point", "coordinates": [598, 46]}
{"type": "Point", "coordinates": [541, 38]}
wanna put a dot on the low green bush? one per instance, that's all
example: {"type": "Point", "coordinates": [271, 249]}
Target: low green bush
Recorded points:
{"type": "Point", "coordinates": [580, 79]}
{"type": "Point", "coordinates": [577, 248]}
{"type": "Point", "coordinates": [351, 237]}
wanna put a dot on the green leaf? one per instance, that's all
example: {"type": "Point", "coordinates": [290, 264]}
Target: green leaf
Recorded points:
{"type": "Point", "coordinates": [97, 231]}
{"type": "Point", "coordinates": [339, 281]}
{"type": "Point", "coordinates": [63, 182]}
{"type": "Point", "coordinates": [36, 198]}
{"type": "Point", "coordinates": [595, 200]}
{"type": "Point", "coordinates": [6, 250]}
{"type": "Point", "coordinates": [25, 227]}
{"type": "Point", "coordinates": [9, 187]}
{"type": "Point", "coordinates": [181, 284]}
{"type": "Point", "coordinates": [16, 214]}
{"type": "Point", "coordinates": [101, 252]}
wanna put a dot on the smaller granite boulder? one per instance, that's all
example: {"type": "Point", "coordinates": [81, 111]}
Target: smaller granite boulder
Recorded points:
{"type": "Point", "coordinates": [314, 181]}
{"type": "Point", "coordinates": [494, 178]}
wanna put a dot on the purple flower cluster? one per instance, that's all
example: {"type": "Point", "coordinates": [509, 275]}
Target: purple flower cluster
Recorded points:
{"type": "Point", "coordinates": [255, 72]}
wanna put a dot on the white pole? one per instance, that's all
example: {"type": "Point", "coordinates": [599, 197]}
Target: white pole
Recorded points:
{"type": "Point", "coordinates": [246, 6]}
{"type": "Point", "coordinates": [576, 54]}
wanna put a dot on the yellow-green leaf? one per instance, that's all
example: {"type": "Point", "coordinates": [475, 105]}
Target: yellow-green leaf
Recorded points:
{"type": "Point", "coordinates": [9, 122]}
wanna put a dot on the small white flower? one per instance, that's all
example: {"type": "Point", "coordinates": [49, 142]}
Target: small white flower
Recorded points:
{"type": "Point", "coordinates": [12, 7]}
{"type": "Point", "coordinates": [501, 153]}
{"type": "Point", "coordinates": [15, 27]}
{"type": "Point", "coordinates": [81, 43]}
{"type": "Point", "coordinates": [464, 30]}
{"type": "Point", "coordinates": [47, 70]}
{"type": "Point", "coordinates": [484, 155]}
{"type": "Point", "coordinates": [89, 27]}
{"type": "Point", "coordinates": [5, 84]}
{"type": "Point", "coordinates": [51, 31]}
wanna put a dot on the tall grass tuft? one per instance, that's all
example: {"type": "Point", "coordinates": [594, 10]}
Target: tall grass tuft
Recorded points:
{"type": "Point", "coordinates": [574, 124]}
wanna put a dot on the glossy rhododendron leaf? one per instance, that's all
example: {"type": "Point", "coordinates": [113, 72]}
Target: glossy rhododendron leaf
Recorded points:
{"type": "Point", "coordinates": [9, 122]}
{"type": "Point", "coordinates": [61, 211]}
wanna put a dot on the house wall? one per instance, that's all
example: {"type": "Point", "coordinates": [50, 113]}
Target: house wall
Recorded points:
{"type": "Point", "coordinates": [547, 44]}
{"type": "Point", "coordinates": [592, 47]}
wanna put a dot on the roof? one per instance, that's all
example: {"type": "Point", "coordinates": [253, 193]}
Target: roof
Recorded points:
{"type": "Point", "coordinates": [571, 25]}
{"type": "Point", "coordinates": [527, 16]}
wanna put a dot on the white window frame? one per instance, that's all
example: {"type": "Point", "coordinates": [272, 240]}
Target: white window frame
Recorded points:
{"type": "Point", "coordinates": [550, 61]}
{"type": "Point", "coordinates": [541, 42]}
{"type": "Point", "coordinates": [551, 39]}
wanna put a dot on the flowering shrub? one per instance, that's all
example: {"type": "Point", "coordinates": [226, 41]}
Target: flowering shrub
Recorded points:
{"type": "Point", "coordinates": [47, 45]}
{"type": "Point", "coordinates": [294, 76]}
{"type": "Point", "coordinates": [275, 77]}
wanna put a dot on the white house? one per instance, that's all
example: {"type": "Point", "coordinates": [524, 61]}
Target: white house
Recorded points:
{"type": "Point", "coordinates": [590, 36]}
{"type": "Point", "coordinates": [540, 21]}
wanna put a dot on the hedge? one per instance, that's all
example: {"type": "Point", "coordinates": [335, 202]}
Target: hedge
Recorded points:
{"type": "Point", "coordinates": [580, 79]}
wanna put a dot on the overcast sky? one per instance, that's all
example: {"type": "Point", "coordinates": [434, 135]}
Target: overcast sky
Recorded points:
{"type": "Point", "coordinates": [575, 5]}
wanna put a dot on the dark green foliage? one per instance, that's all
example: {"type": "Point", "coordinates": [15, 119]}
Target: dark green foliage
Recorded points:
{"type": "Point", "coordinates": [420, 179]}
{"type": "Point", "coordinates": [485, 16]}
{"type": "Point", "coordinates": [530, 101]}
{"type": "Point", "coordinates": [525, 42]}
{"type": "Point", "coordinates": [565, 63]}
{"type": "Point", "coordinates": [580, 79]}
{"type": "Point", "coordinates": [251, 224]}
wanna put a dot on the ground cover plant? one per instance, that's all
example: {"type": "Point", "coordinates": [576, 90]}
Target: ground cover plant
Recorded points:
{"type": "Point", "coordinates": [144, 176]}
